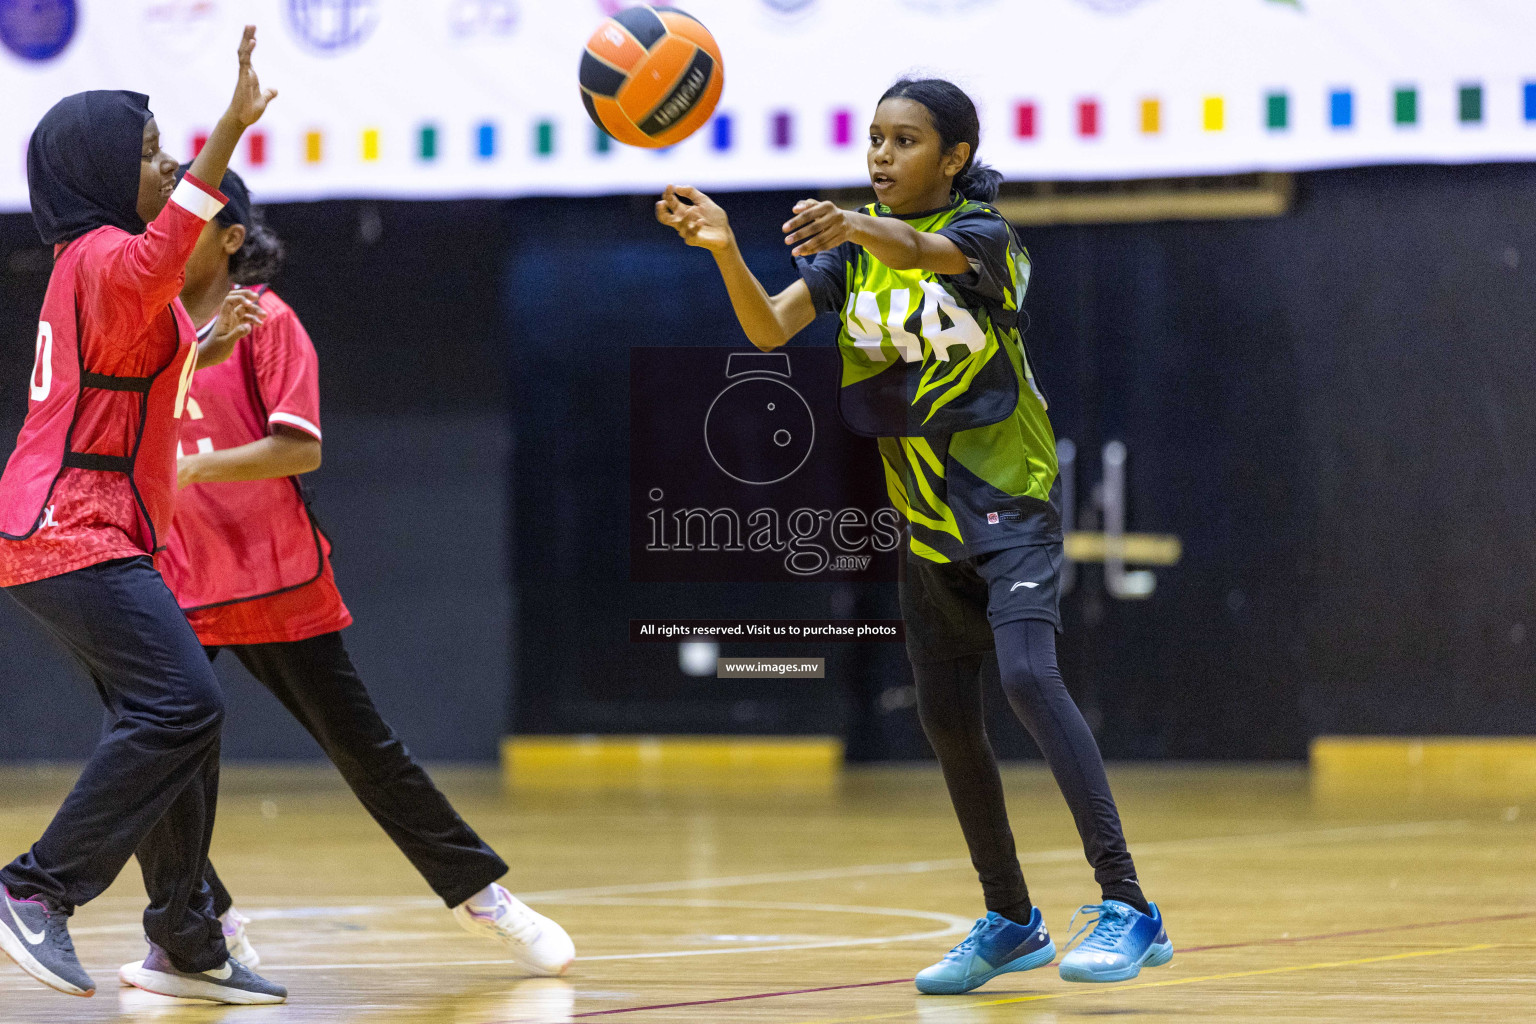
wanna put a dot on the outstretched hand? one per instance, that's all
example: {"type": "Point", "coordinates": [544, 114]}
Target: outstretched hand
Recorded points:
{"type": "Point", "coordinates": [240, 315]}
{"type": "Point", "coordinates": [818, 225]}
{"type": "Point", "coordinates": [250, 99]}
{"type": "Point", "coordinates": [698, 219]}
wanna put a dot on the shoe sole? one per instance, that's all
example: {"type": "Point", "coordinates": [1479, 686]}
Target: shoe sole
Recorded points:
{"type": "Point", "coordinates": [177, 987]}
{"type": "Point", "coordinates": [1039, 958]}
{"type": "Point", "coordinates": [1157, 955]}
{"type": "Point", "coordinates": [12, 947]}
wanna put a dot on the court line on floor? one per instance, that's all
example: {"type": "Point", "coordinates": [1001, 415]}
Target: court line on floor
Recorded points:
{"type": "Point", "coordinates": [1293, 837]}
{"type": "Point", "coordinates": [1168, 983]}
{"type": "Point", "coordinates": [1486, 919]}
{"type": "Point", "coordinates": [953, 925]}
{"type": "Point", "coordinates": [739, 999]}
{"type": "Point", "coordinates": [1406, 830]}
{"type": "Point", "coordinates": [1355, 933]}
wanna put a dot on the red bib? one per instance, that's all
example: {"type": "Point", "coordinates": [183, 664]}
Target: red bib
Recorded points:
{"type": "Point", "coordinates": [251, 539]}
{"type": "Point", "coordinates": [79, 419]}
{"type": "Point", "coordinates": [245, 559]}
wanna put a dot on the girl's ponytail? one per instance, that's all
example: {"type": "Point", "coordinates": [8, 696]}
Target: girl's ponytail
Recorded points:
{"type": "Point", "coordinates": [979, 182]}
{"type": "Point", "coordinates": [954, 118]}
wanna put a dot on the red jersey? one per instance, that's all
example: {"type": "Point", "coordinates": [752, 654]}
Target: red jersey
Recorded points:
{"type": "Point", "coordinates": [245, 559]}
{"type": "Point", "coordinates": [93, 476]}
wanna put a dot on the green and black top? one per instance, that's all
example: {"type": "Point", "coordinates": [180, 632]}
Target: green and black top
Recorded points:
{"type": "Point", "coordinates": [935, 366]}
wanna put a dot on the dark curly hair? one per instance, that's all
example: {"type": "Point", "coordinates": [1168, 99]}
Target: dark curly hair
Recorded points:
{"type": "Point", "coordinates": [954, 118]}
{"type": "Point", "coordinates": [260, 258]}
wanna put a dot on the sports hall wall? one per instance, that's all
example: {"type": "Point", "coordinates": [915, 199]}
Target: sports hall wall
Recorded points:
{"type": "Point", "coordinates": [402, 301]}
{"type": "Point", "coordinates": [1332, 409]}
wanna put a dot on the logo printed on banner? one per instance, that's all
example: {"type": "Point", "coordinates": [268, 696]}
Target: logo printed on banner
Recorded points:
{"type": "Point", "coordinates": [37, 30]}
{"type": "Point", "coordinates": [789, 7]}
{"type": "Point", "coordinates": [183, 26]}
{"type": "Point", "coordinates": [471, 18]}
{"type": "Point", "coordinates": [331, 26]}
{"type": "Point", "coordinates": [946, 6]}
{"type": "Point", "coordinates": [1112, 6]}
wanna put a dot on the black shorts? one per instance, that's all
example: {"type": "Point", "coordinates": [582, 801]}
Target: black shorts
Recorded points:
{"type": "Point", "coordinates": [951, 608]}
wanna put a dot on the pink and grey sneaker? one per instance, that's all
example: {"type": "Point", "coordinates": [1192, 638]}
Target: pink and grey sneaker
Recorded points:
{"type": "Point", "coordinates": [233, 983]}
{"type": "Point", "coordinates": [537, 943]}
{"type": "Point", "coordinates": [35, 934]}
{"type": "Point", "coordinates": [235, 938]}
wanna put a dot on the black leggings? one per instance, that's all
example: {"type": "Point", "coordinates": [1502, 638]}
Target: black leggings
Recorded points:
{"type": "Point", "coordinates": [950, 706]}
{"type": "Point", "coordinates": [315, 681]}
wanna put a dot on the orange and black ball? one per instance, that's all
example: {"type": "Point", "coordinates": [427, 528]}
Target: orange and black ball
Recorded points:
{"type": "Point", "coordinates": [651, 76]}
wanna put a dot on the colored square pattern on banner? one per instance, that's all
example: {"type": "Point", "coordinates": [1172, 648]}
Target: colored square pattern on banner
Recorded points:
{"type": "Point", "coordinates": [1341, 108]}
{"type": "Point", "coordinates": [1087, 117]}
{"type": "Point", "coordinates": [1213, 113]}
{"type": "Point", "coordinates": [1469, 104]}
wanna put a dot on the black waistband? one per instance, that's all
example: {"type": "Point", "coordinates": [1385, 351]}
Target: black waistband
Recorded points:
{"type": "Point", "coordinates": [103, 382]}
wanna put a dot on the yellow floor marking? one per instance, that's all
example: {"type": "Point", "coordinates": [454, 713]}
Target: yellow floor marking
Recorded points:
{"type": "Point", "coordinates": [1106, 990]}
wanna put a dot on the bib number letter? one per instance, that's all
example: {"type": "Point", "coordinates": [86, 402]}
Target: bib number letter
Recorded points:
{"type": "Point", "coordinates": [865, 322]}
{"type": "Point", "coordinates": [42, 370]}
{"type": "Point", "coordinates": [186, 381]}
{"type": "Point", "coordinates": [963, 329]}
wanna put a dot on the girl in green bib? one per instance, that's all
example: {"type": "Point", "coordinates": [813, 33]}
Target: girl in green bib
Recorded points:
{"type": "Point", "coordinates": [928, 282]}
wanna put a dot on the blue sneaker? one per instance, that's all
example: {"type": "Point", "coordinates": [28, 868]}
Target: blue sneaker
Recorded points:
{"type": "Point", "coordinates": [994, 940]}
{"type": "Point", "coordinates": [1123, 941]}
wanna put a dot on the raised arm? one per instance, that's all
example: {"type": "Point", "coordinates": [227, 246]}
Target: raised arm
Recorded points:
{"type": "Point", "coordinates": [821, 225]}
{"type": "Point", "coordinates": [145, 272]}
{"type": "Point", "coordinates": [245, 109]}
{"type": "Point", "coordinates": [768, 320]}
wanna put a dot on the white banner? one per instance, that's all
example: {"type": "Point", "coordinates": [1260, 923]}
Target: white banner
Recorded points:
{"type": "Point", "coordinates": [442, 98]}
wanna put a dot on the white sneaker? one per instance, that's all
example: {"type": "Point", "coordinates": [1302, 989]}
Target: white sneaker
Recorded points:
{"type": "Point", "coordinates": [240, 947]}
{"type": "Point", "coordinates": [537, 943]}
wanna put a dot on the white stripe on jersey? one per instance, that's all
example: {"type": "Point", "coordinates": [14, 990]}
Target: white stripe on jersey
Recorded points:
{"type": "Point", "coordinates": [194, 200]}
{"type": "Point", "coordinates": [288, 419]}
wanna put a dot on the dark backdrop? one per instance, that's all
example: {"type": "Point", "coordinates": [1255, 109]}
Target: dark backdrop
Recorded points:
{"type": "Point", "coordinates": [1333, 410]}
{"type": "Point", "coordinates": [402, 302]}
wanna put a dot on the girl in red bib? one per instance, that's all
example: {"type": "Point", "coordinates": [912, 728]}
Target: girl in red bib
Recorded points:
{"type": "Point", "coordinates": [85, 500]}
{"type": "Point", "coordinates": [251, 568]}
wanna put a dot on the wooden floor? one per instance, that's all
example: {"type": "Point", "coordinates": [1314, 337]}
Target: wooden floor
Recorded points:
{"type": "Point", "coordinates": [807, 908]}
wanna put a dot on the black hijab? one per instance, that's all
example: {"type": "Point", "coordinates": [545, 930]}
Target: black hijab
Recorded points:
{"type": "Point", "coordinates": [83, 164]}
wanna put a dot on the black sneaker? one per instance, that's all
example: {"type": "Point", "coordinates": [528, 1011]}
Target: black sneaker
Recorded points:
{"type": "Point", "coordinates": [35, 933]}
{"type": "Point", "coordinates": [232, 983]}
